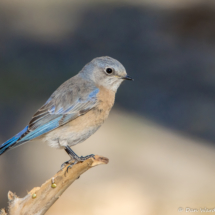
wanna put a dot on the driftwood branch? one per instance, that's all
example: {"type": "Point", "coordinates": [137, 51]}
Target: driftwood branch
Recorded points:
{"type": "Point", "coordinates": [40, 199]}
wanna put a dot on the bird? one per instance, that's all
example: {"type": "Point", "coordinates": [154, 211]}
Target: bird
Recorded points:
{"type": "Point", "coordinates": [76, 110]}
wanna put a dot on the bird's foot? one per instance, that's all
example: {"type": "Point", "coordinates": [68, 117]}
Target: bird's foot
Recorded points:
{"type": "Point", "coordinates": [72, 162]}
{"type": "Point", "coordinates": [86, 157]}
{"type": "Point", "coordinates": [71, 165]}
{"type": "Point", "coordinates": [64, 164]}
{"type": "Point", "coordinates": [75, 160]}
{"type": "Point", "coordinates": [79, 159]}
{"type": "Point", "coordinates": [82, 158]}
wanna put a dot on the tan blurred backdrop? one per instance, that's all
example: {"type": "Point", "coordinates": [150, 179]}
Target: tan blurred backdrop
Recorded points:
{"type": "Point", "coordinates": [160, 135]}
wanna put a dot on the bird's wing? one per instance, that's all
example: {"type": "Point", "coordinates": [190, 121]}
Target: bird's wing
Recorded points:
{"type": "Point", "coordinates": [62, 107]}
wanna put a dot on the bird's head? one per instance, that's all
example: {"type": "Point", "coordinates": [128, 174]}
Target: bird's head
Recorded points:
{"type": "Point", "coordinates": [106, 72]}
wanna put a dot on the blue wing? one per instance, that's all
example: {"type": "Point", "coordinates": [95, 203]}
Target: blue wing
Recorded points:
{"type": "Point", "coordinates": [51, 116]}
{"type": "Point", "coordinates": [63, 106]}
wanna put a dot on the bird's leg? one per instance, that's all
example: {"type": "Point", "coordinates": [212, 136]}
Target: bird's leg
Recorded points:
{"type": "Point", "coordinates": [72, 154]}
{"type": "Point", "coordinates": [74, 158]}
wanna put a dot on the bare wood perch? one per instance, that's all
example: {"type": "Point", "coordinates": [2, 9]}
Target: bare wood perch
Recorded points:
{"type": "Point", "coordinates": [40, 199]}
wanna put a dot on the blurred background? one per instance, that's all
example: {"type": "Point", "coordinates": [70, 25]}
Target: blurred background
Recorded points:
{"type": "Point", "coordinates": [160, 134]}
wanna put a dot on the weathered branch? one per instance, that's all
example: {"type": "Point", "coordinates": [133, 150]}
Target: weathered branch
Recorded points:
{"type": "Point", "coordinates": [40, 199]}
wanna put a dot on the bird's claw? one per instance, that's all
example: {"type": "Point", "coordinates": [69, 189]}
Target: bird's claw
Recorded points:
{"type": "Point", "coordinates": [71, 165]}
{"type": "Point", "coordinates": [64, 164]}
{"type": "Point", "coordinates": [75, 160]}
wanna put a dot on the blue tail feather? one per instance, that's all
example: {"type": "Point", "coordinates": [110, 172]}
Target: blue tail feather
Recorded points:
{"type": "Point", "coordinates": [12, 141]}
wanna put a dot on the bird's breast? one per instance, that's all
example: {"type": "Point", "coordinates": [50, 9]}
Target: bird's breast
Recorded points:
{"type": "Point", "coordinates": [106, 100]}
{"type": "Point", "coordinates": [96, 116]}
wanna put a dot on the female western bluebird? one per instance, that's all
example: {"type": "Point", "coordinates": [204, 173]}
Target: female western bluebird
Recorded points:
{"type": "Point", "coordinates": [76, 109]}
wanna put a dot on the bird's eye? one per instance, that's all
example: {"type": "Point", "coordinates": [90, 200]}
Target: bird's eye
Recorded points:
{"type": "Point", "coordinates": [109, 70]}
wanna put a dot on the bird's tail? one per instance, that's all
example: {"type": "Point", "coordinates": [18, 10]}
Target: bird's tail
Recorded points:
{"type": "Point", "coordinates": [11, 142]}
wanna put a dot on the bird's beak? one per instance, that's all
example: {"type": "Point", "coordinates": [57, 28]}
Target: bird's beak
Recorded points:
{"type": "Point", "coordinates": [128, 78]}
